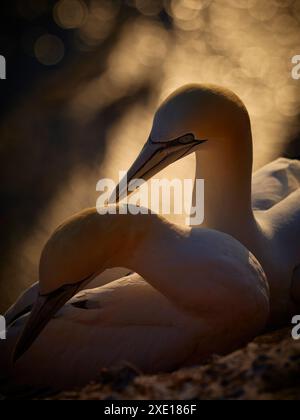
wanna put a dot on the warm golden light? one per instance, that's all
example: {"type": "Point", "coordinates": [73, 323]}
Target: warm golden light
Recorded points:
{"type": "Point", "coordinates": [262, 11]}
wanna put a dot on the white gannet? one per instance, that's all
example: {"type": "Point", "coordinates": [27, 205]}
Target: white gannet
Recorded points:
{"type": "Point", "coordinates": [265, 218]}
{"type": "Point", "coordinates": [204, 293]}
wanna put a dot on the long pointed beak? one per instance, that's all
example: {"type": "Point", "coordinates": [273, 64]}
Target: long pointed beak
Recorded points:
{"type": "Point", "coordinates": [44, 309]}
{"type": "Point", "coordinates": [153, 158]}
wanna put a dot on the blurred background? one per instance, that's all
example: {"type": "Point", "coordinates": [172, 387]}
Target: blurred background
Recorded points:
{"type": "Point", "coordinates": [84, 78]}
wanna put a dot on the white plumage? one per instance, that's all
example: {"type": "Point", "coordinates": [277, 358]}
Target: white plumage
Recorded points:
{"type": "Point", "coordinates": [205, 293]}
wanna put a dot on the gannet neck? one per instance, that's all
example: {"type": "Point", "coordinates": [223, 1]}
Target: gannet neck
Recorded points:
{"type": "Point", "coordinates": [226, 166]}
{"type": "Point", "coordinates": [89, 243]}
{"type": "Point", "coordinates": [225, 161]}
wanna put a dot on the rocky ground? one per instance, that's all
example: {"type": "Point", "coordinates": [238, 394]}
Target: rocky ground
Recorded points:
{"type": "Point", "coordinates": [268, 369]}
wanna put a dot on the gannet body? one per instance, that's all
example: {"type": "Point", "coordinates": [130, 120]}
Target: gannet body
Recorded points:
{"type": "Point", "coordinates": [264, 218]}
{"type": "Point", "coordinates": [275, 182]}
{"type": "Point", "coordinates": [270, 230]}
{"type": "Point", "coordinates": [204, 293]}
{"type": "Point", "coordinates": [270, 185]}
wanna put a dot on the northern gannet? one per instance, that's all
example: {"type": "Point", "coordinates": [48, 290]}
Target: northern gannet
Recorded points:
{"type": "Point", "coordinates": [204, 293]}
{"type": "Point", "coordinates": [265, 217]}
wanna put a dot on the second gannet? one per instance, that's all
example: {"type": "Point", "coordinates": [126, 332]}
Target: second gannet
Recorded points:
{"type": "Point", "coordinates": [204, 293]}
{"type": "Point", "coordinates": [266, 219]}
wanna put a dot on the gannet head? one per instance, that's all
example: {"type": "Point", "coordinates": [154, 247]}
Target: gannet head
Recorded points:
{"type": "Point", "coordinates": [186, 122]}
{"type": "Point", "coordinates": [73, 256]}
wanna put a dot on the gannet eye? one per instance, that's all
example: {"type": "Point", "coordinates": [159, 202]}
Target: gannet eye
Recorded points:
{"type": "Point", "coordinates": [187, 139]}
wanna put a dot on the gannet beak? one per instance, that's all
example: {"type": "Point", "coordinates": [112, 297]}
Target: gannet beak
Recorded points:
{"type": "Point", "coordinates": [154, 157]}
{"type": "Point", "coordinates": [44, 309]}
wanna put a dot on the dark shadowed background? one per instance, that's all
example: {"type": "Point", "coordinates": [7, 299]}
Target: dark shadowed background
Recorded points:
{"type": "Point", "coordinates": [83, 81]}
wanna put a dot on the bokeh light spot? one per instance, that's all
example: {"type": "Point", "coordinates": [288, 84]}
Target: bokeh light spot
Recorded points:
{"type": "Point", "coordinates": [70, 14]}
{"type": "Point", "coordinates": [49, 50]}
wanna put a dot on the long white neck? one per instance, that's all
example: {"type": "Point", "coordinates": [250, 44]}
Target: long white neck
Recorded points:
{"type": "Point", "coordinates": [226, 167]}
{"type": "Point", "coordinates": [130, 235]}
{"type": "Point", "coordinates": [88, 244]}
